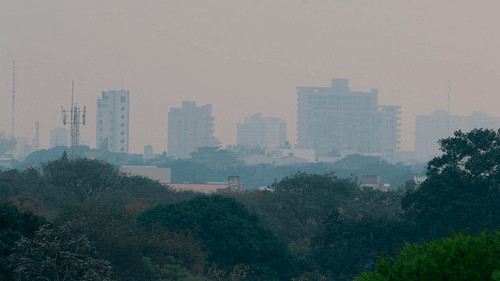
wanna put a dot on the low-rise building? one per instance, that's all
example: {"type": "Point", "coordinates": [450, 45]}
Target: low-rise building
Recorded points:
{"type": "Point", "coordinates": [163, 175]}
{"type": "Point", "coordinates": [373, 181]}
{"type": "Point", "coordinates": [233, 184]}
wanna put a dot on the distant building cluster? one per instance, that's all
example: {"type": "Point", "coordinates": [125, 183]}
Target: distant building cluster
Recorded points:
{"type": "Point", "coordinates": [332, 122]}
{"type": "Point", "coordinates": [429, 129]}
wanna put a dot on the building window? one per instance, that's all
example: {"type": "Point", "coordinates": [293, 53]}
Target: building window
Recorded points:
{"type": "Point", "coordinates": [122, 99]}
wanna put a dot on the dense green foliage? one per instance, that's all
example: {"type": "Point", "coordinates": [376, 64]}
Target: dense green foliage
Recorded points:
{"type": "Point", "coordinates": [459, 257]}
{"type": "Point", "coordinates": [57, 254]}
{"type": "Point", "coordinates": [307, 226]}
{"type": "Point", "coordinates": [255, 176]}
{"type": "Point", "coordinates": [334, 228]}
{"type": "Point", "coordinates": [462, 187]}
{"type": "Point", "coordinates": [229, 234]}
{"type": "Point", "coordinates": [13, 226]}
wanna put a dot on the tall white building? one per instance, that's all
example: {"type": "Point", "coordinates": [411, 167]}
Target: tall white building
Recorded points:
{"type": "Point", "coordinates": [112, 130]}
{"type": "Point", "coordinates": [190, 127]}
{"type": "Point", "coordinates": [59, 137]}
{"type": "Point", "coordinates": [265, 132]}
{"type": "Point", "coordinates": [337, 121]}
{"type": "Point", "coordinates": [429, 129]}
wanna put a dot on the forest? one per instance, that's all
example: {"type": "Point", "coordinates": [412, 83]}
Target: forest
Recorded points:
{"type": "Point", "coordinates": [83, 220]}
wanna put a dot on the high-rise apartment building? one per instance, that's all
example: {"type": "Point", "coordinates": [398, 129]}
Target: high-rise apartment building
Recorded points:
{"type": "Point", "coordinates": [112, 130]}
{"type": "Point", "coordinates": [59, 137]}
{"type": "Point", "coordinates": [337, 121]}
{"type": "Point", "coordinates": [190, 127]}
{"type": "Point", "coordinates": [429, 129]}
{"type": "Point", "coordinates": [265, 132]}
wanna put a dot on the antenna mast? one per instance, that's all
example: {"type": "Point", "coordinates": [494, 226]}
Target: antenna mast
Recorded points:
{"type": "Point", "coordinates": [75, 122]}
{"type": "Point", "coordinates": [13, 96]}
{"type": "Point", "coordinates": [37, 140]}
{"type": "Point", "coordinates": [449, 107]}
{"type": "Point", "coordinates": [37, 134]}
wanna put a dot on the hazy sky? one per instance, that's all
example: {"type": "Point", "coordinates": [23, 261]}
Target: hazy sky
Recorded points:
{"type": "Point", "coordinates": [243, 57]}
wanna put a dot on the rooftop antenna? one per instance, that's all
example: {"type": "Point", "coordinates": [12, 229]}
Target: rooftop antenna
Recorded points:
{"type": "Point", "coordinates": [13, 96]}
{"type": "Point", "coordinates": [75, 122]}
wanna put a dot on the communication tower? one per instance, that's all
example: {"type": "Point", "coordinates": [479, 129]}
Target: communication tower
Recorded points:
{"type": "Point", "coordinates": [75, 122]}
{"type": "Point", "coordinates": [37, 135]}
{"type": "Point", "coordinates": [449, 93]}
{"type": "Point", "coordinates": [13, 95]}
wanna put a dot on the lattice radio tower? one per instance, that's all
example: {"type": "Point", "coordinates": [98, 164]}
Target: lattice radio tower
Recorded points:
{"type": "Point", "coordinates": [13, 96]}
{"type": "Point", "coordinates": [75, 122]}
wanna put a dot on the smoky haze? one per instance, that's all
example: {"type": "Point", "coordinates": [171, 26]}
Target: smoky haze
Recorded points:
{"type": "Point", "coordinates": [242, 57]}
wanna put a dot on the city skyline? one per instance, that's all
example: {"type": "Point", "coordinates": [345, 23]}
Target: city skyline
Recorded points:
{"type": "Point", "coordinates": [243, 58]}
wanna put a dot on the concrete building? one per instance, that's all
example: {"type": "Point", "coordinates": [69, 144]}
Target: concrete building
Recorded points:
{"type": "Point", "coordinates": [309, 155]}
{"type": "Point", "coordinates": [336, 121]}
{"type": "Point", "coordinates": [190, 127]}
{"type": "Point", "coordinates": [148, 153]}
{"type": "Point", "coordinates": [163, 175]}
{"type": "Point", "coordinates": [265, 132]}
{"type": "Point", "coordinates": [112, 130]}
{"type": "Point", "coordinates": [233, 184]}
{"type": "Point", "coordinates": [429, 129]}
{"type": "Point", "coordinates": [373, 182]}
{"type": "Point", "coordinates": [59, 137]}
{"type": "Point", "coordinates": [24, 146]}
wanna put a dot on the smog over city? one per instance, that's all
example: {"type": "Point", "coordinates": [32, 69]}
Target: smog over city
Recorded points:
{"type": "Point", "coordinates": [250, 140]}
{"type": "Point", "coordinates": [243, 58]}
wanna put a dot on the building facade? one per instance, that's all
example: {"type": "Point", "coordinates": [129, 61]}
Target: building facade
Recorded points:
{"type": "Point", "coordinates": [59, 137]}
{"type": "Point", "coordinates": [190, 127]}
{"type": "Point", "coordinates": [261, 131]}
{"type": "Point", "coordinates": [336, 121]}
{"type": "Point", "coordinates": [429, 129]}
{"type": "Point", "coordinates": [112, 130]}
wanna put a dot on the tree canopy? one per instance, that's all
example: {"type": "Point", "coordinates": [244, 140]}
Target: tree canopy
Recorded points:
{"type": "Point", "coordinates": [13, 226]}
{"type": "Point", "coordinates": [459, 257]}
{"type": "Point", "coordinates": [57, 254]}
{"type": "Point", "coordinates": [230, 235]}
{"type": "Point", "coordinates": [462, 189]}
